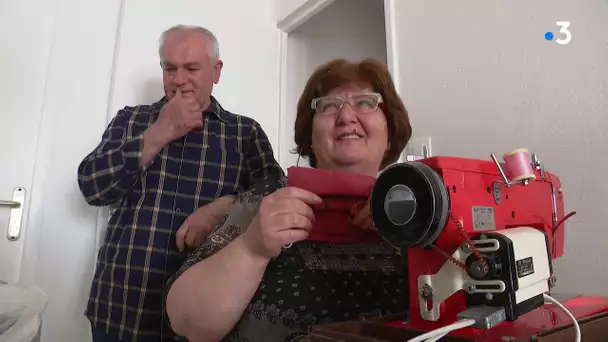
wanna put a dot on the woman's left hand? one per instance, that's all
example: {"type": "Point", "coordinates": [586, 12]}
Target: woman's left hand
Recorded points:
{"type": "Point", "coordinates": [363, 218]}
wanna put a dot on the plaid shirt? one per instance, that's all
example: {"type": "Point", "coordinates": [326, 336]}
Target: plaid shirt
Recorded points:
{"type": "Point", "coordinates": [139, 252]}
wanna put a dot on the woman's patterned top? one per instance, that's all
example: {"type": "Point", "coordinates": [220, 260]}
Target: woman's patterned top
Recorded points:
{"type": "Point", "coordinates": [311, 282]}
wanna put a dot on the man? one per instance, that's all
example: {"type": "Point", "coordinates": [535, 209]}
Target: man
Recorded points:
{"type": "Point", "coordinates": [158, 164]}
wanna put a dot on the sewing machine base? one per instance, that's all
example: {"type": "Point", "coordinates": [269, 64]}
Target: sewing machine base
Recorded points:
{"type": "Point", "coordinates": [546, 323]}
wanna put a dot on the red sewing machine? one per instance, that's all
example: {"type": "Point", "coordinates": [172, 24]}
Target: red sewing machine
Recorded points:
{"type": "Point", "coordinates": [480, 237]}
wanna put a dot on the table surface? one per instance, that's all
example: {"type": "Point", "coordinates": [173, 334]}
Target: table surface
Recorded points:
{"type": "Point", "coordinates": [541, 321]}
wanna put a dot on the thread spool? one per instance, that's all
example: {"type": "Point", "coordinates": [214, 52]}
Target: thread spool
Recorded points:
{"type": "Point", "coordinates": [519, 165]}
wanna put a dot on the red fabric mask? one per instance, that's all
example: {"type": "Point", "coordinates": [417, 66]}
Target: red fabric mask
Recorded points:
{"type": "Point", "coordinates": [344, 194]}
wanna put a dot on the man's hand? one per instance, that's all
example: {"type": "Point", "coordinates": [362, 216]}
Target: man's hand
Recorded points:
{"type": "Point", "coordinates": [178, 117]}
{"type": "Point", "coordinates": [197, 227]}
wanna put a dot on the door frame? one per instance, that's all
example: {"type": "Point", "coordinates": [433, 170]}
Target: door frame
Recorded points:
{"type": "Point", "coordinates": [298, 17]}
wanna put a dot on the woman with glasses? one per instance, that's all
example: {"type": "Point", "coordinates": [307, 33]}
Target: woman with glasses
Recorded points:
{"type": "Point", "coordinates": [242, 284]}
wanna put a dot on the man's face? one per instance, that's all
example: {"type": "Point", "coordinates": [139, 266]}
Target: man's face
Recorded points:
{"type": "Point", "coordinates": [187, 66]}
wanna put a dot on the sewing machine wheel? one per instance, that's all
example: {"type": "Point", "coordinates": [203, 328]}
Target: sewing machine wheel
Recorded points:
{"type": "Point", "coordinates": [409, 205]}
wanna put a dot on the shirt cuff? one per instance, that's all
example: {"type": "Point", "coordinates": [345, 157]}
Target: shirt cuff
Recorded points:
{"type": "Point", "coordinates": [131, 153]}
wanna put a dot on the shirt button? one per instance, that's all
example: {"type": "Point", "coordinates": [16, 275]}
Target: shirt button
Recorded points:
{"type": "Point", "coordinates": [177, 210]}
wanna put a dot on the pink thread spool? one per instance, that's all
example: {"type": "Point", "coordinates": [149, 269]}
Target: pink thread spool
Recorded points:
{"type": "Point", "coordinates": [519, 165]}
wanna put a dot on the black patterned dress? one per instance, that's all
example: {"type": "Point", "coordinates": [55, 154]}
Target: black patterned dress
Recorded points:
{"type": "Point", "coordinates": [309, 283]}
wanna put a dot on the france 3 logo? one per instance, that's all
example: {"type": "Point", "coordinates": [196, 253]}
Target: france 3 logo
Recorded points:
{"type": "Point", "coordinates": [564, 35]}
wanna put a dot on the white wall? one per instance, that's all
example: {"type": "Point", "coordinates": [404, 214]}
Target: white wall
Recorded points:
{"type": "Point", "coordinates": [479, 77]}
{"type": "Point", "coordinates": [326, 36]}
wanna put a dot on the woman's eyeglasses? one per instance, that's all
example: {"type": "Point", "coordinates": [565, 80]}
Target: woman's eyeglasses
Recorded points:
{"type": "Point", "coordinates": [362, 103]}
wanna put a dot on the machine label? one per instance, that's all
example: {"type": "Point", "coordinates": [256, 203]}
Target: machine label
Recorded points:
{"type": "Point", "coordinates": [525, 267]}
{"type": "Point", "coordinates": [483, 218]}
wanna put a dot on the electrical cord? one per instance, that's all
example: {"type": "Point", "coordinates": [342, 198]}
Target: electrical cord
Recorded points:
{"type": "Point", "coordinates": [440, 332]}
{"type": "Point", "coordinates": [577, 328]}
{"type": "Point", "coordinates": [435, 335]}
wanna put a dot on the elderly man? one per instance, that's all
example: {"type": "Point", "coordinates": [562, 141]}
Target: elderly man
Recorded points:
{"type": "Point", "coordinates": [172, 169]}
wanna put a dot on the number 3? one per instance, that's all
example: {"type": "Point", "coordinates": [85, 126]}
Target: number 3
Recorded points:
{"type": "Point", "coordinates": [564, 29]}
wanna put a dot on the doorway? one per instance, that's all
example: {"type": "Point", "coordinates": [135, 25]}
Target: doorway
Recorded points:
{"type": "Point", "coordinates": [321, 30]}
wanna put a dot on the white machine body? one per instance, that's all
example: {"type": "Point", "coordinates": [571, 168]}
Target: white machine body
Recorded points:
{"type": "Point", "coordinates": [532, 262]}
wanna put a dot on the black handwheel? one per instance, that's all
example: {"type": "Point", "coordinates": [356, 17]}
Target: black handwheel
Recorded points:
{"type": "Point", "coordinates": [409, 205]}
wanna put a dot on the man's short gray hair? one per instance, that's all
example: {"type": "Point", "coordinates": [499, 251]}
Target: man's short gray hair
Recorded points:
{"type": "Point", "coordinates": [213, 50]}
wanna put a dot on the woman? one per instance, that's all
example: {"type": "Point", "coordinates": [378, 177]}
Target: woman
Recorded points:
{"type": "Point", "coordinates": [243, 285]}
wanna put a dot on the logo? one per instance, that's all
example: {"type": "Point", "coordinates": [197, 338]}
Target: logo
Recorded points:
{"type": "Point", "coordinates": [564, 35]}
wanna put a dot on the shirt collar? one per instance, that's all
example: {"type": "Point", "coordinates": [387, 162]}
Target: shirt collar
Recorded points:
{"type": "Point", "coordinates": [214, 108]}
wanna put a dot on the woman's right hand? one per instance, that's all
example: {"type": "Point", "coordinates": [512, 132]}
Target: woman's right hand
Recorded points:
{"type": "Point", "coordinates": [284, 217]}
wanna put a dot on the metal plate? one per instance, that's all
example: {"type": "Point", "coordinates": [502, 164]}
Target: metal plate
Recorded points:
{"type": "Point", "coordinates": [496, 192]}
{"type": "Point", "coordinates": [483, 218]}
{"type": "Point", "coordinates": [16, 214]}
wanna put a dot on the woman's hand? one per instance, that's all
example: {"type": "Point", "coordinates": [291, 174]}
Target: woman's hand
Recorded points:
{"type": "Point", "coordinates": [284, 217]}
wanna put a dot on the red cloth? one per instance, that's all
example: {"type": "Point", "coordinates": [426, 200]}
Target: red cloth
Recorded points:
{"type": "Point", "coordinates": [340, 192]}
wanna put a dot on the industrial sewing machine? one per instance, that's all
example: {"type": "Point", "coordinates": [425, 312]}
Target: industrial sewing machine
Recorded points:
{"type": "Point", "coordinates": [480, 237]}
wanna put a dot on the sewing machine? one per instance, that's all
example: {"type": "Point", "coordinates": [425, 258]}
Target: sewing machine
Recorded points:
{"type": "Point", "coordinates": [480, 237]}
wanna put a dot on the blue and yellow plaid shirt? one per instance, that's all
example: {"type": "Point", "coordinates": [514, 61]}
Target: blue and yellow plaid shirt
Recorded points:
{"type": "Point", "coordinates": [139, 252]}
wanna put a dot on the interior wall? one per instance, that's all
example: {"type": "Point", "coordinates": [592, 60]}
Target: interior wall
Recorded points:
{"type": "Point", "coordinates": [351, 29]}
{"type": "Point", "coordinates": [479, 77]}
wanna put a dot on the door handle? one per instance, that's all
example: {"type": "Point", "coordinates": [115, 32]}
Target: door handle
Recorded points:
{"type": "Point", "coordinates": [16, 214]}
{"type": "Point", "coordinates": [10, 204]}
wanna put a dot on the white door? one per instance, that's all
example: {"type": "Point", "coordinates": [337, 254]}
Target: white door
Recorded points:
{"type": "Point", "coordinates": [24, 55]}
{"type": "Point", "coordinates": [56, 61]}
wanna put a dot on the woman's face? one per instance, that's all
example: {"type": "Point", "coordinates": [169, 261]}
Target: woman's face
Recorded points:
{"type": "Point", "coordinates": [353, 138]}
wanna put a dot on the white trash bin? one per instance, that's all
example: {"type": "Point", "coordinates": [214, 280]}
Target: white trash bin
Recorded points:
{"type": "Point", "coordinates": [21, 309]}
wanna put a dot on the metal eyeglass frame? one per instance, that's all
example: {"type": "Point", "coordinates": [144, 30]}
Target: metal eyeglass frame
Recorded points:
{"type": "Point", "coordinates": [379, 100]}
